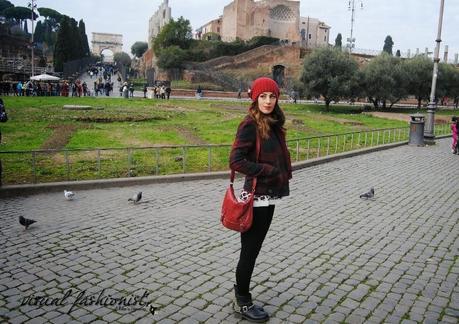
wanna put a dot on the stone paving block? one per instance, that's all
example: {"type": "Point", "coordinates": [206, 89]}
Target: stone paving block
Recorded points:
{"type": "Point", "coordinates": [62, 319]}
{"type": "Point", "coordinates": [201, 316]}
{"type": "Point", "coordinates": [178, 316]}
{"type": "Point", "coordinates": [407, 321]}
{"type": "Point", "coordinates": [111, 317]}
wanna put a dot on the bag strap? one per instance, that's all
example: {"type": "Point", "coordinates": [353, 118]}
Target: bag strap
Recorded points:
{"type": "Point", "coordinates": [258, 149]}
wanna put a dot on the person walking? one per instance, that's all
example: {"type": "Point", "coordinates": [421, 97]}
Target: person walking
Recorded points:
{"type": "Point", "coordinates": [19, 88]}
{"type": "Point", "coordinates": [131, 90]}
{"type": "Point", "coordinates": [454, 130]}
{"type": "Point", "coordinates": [168, 92]}
{"type": "Point", "coordinates": [125, 90]}
{"type": "Point", "coordinates": [273, 171]}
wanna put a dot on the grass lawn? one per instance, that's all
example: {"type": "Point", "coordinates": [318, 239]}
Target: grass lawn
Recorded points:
{"type": "Point", "coordinates": [42, 123]}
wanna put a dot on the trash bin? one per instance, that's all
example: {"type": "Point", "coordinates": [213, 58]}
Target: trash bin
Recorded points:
{"type": "Point", "coordinates": [125, 92]}
{"type": "Point", "coordinates": [417, 130]}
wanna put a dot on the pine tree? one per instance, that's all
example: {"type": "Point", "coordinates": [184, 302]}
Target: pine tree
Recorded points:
{"type": "Point", "coordinates": [63, 47]}
{"type": "Point", "coordinates": [39, 33]}
{"type": "Point", "coordinates": [75, 40]}
{"type": "Point", "coordinates": [84, 38]}
{"type": "Point", "coordinates": [339, 41]}
{"type": "Point", "coordinates": [388, 43]}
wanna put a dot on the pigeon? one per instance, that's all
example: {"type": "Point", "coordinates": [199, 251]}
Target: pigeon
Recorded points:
{"type": "Point", "coordinates": [26, 222]}
{"type": "Point", "coordinates": [69, 195]}
{"type": "Point", "coordinates": [136, 198]}
{"type": "Point", "coordinates": [369, 194]}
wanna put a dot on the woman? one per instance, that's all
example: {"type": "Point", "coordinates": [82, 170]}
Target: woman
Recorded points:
{"type": "Point", "coordinates": [273, 170]}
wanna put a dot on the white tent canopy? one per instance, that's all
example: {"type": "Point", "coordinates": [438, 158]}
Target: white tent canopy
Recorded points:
{"type": "Point", "coordinates": [44, 77]}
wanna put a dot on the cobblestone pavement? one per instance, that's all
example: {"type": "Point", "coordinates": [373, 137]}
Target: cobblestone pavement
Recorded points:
{"type": "Point", "coordinates": [329, 256]}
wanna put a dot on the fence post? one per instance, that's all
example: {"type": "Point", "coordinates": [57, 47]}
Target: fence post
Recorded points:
{"type": "Point", "coordinates": [209, 159]}
{"type": "Point", "coordinates": [297, 150]}
{"type": "Point", "coordinates": [344, 143]}
{"type": "Point", "coordinates": [352, 141]}
{"type": "Point", "coordinates": [366, 136]}
{"type": "Point", "coordinates": [372, 135]}
{"type": "Point", "coordinates": [307, 152]}
{"type": "Point", "coordinates": [129, 161]}
{"type": "Point", "coordinates": [98, 163]}
{"type": "Point", "coordinates": [328, 145]}
{"type": "Point", "coordinates": [34, 171]}
{"type": "Point", "coordinates": [318, 147]}
{"type": "Point", "coordinates": [157, 160]}
{"type": "Point", "coordinates": [66, 153]}
{"type": "Point", "coordinates": [336, 144]}
{"type": "Point", "coordinates": [360, 135]}
{"type": "Point", "coordinates": [184, 151]}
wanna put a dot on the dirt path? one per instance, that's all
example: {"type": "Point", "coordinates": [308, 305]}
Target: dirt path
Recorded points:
{"type": "Point", "coordinates": [60, 137]}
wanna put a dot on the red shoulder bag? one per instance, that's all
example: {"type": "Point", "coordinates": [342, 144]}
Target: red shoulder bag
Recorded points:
{"type": "Point", "coordinates": [238, 215]}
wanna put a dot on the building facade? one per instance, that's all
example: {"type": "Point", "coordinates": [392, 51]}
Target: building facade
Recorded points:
{"type": "Point", "coordinates": [313, 32]}
{"type": "Point", "coordinates": [214, 26]}
{"type": "Point", "coordinates": [161, 17]}
{"type": "Point", "coordinates": [245, 19]}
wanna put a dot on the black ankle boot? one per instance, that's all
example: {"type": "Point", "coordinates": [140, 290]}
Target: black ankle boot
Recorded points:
{"type": "Point", "coordinates": [244, 306]}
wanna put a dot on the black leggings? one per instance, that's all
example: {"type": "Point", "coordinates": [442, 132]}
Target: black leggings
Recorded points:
{"type": "Point", "coordinates": [251, 242]}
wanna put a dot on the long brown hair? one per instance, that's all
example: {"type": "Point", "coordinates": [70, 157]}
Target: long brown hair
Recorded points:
{"type": "Point", "coordinates": [266, 122]}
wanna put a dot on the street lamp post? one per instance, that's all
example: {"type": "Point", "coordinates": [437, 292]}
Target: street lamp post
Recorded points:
{"type": "Point", "coordinates": [32, 5]}
{"type": "Point", "coordinates": [429, 134]}
{"type": "Point", "coordinates": [351, 39]}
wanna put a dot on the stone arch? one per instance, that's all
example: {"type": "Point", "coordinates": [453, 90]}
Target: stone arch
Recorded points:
{"type": "Point", "coordinates": [104, 41]}
{"type": "Point", "coordinates": [107, 57]}
{"type": "Point", "coordinates": [279, 74]}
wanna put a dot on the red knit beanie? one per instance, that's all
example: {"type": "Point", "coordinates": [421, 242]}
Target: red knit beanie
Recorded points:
{"type": "Point", "coordinates": [261, 85]}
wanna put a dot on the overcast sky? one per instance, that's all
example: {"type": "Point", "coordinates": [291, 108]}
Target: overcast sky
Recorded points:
{"type": "Point", "coordinates": [411, 23]}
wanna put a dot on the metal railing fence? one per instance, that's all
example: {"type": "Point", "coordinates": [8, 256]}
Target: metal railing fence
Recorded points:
{"type": "Point", "coordinates": [40, 166]}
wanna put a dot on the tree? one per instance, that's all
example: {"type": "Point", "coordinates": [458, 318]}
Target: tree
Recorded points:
{"type": "Point", "coordinates": [176, 33]}
{"type": "Point", "coordinates": [419, 70]}
{"type": "Point", "coordinates": [328, 72]}
{"type": "Point", "coordinates": [39, 32]}
{"type": "Point", "coordinates": [122, 58]}
{"type": "Point", "coordinates": [388, 44]}
{"type": "Point", "coordinates": [51, 25]}
{"type": "Point", "coordinates": [63, 48]}
{"type": "Point", "coordinates": [19, 14]}
{"type": "Point", "coordinates": [69, 45]}
{"type": "Point", "coordinates": [84, 38]}
{"type": "Point", "coordinates": [385, 79]}
{"type": "Point", "coordinates": [453, 89]}
{"type": "Point", "coordinates": [5, 4]}
{"type": "Point", "coordinates": [339, 41]}
{"type": "Point", "coordinates": [446, 81]}
{"type": "Point", "coordinates": [210, 36]}
{"type": "Point", "coordinates": [171, 57]}
{"type": "Point", "coordinates": [75, 41]}
{"type": "Point", "coordinates": [138, 48]}
{"type": "Point", "coordinates": [52, 16]}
